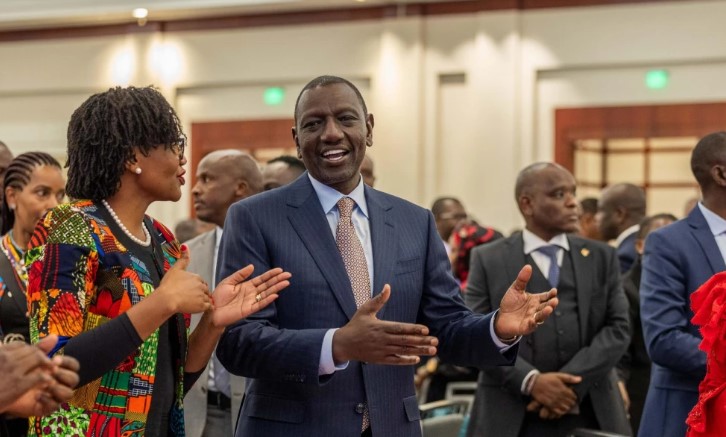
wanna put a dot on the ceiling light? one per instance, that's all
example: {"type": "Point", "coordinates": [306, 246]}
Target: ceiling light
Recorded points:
{"type": "Point", "coordinates": [140, 13]}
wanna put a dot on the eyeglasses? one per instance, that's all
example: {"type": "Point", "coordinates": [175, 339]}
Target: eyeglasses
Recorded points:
{"type": "Point", "coordinates": [178, 149]}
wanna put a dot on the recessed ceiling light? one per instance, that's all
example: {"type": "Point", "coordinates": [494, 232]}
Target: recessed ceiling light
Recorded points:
{"type": "Point", "coordinates": [140, 13]}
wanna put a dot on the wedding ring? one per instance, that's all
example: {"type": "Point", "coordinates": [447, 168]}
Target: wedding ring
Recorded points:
{"type": "Point", "coordinates": [539, 323]}
{"type": "Point", "coordinates": [258, 298]}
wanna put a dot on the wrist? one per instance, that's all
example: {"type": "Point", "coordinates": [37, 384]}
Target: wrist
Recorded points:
{"type": "Point", "coordinates": [167, 307]}
{"type": "Point", "coordinates": [339, 355]}
{"type": "Point", "coordinates": [503, 338]}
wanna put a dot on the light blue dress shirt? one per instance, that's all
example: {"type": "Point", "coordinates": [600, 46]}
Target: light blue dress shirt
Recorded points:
{"type": "Point", "coordinates": [717, 225]}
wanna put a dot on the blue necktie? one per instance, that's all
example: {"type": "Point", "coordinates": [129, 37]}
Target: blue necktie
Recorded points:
{"type": "Point", "coordinates": [554, 274]}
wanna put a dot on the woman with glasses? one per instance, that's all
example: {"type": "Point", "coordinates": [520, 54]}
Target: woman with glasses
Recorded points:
{"type": "Point", "coordinates": [110, 281]}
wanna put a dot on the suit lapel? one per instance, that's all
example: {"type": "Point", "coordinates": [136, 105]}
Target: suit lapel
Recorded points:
{"type": "Point", "coordinates": [309, 221]}
{"type": "Point", "coordinates": [702, 233]}
{"type": "Point", "coordinates": [207, 259]}
{"type": "Point", "coordinates": [584, 271]}
{"type": "Point", "coordinates": [514, 259]}
{"type": "Point", "coordinates": [383, 241]}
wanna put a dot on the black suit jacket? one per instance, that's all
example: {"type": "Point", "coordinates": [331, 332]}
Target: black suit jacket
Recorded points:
{"type": "Point", "coordinates": [604, 330]}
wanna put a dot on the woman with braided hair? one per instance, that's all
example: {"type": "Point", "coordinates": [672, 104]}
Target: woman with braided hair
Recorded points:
{"type": "Point", "coordinates": [33, 185]}
{"type": "Point", "coordinates": [110, 281]}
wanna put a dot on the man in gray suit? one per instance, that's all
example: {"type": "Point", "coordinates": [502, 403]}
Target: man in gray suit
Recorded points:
{"type": "Point", "coordinates": [223, 177]}
{"type": "Point", "coordinates": [564, 376]}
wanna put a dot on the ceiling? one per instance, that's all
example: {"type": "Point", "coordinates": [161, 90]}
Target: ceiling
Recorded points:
{"type": "Point", "coordinates": [25, 14]}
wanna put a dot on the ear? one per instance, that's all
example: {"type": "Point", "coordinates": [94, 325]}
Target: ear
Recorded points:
{"type": "Point", "coordinates": [132, 162]}
{"type": "Point", "coordinates": [718, 173]}
{"type": "Point", "coordinates": [297, 143]}
{"type": "Point", "coordinates": [369, 130]}
{"type": "Point", "coordinates": [11, 196]}
{"type": "Point", "coordinates": [621, 214]}
{"type": "Point", "coordinates": [242, 188]}
{"type": "Point", "coordinates": [525, 205]}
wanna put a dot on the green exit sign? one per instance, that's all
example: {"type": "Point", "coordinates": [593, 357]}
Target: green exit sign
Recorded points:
{"type": "Point", "coordinates": [274, 96]}
{"type": "Point", "coordinates": [657, 79]}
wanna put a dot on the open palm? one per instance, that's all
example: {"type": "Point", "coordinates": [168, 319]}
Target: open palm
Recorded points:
{"type": "Point", "coordinates": [520, 312]}
{"type": "Point", "coordinates": [236, 298]}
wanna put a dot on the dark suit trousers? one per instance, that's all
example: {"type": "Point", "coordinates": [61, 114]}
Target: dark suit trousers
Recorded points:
{"type": "Point", "coordinates": [533, 426]}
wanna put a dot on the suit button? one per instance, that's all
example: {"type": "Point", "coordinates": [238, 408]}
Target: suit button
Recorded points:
{"type": "Point", "coordinates": [558, 313]}
{"type": "Point", "coordinates": [360, 408]}
{"type": "Point", "coordinates": [561, 331]}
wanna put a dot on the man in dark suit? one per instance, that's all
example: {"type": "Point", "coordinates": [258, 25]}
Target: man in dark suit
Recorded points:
{"type": "Point", "coordinates": [619, 211]}
{"type": "Point", "coordinates": [634, 367]}
{"type": "Point", "coordinates": [677, 260]}
{"type": "Point", "coordinates": [327, 360]}
{"type": "Point", "coordinates": [564, 377]}
{"type": "Point", "coordinates": [223, 177]}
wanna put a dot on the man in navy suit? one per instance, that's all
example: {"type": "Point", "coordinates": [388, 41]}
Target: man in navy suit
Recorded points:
{"type": "Point", "coordinates": [324, 364]}
{"type": "Point", "coordinates": [677, 260]}
{"type": "Point", "coordinates": [619, 211]}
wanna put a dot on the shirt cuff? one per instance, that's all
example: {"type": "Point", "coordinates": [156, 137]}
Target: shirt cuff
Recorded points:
{"type": "Point", "coordinates": [327, 364]}
{"type": "Point", "coordinates": [526, 388]}
{"type": "Point", "coordinates": [503, 347]}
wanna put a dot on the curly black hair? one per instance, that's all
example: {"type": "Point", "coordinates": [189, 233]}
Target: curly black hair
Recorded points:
{"type": "Point", "coordinates": [105, 131]}
{"type": "Point", "coordinates": [17, 176]}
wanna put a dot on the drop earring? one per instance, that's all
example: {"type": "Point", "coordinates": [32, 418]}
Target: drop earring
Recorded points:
{"type": "Point", "coordinates": [138, 170]}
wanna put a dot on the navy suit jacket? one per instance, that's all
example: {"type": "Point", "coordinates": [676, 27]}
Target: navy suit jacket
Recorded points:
{"type": "Point", "coordinates": [678, 259]}
{"type": "Point", "coordinates": [627, 254]}
{"type": "Point", "coordinates": [280, 346]}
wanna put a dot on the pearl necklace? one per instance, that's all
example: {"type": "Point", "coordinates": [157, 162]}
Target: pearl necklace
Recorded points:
{"type": "Point", "coordinates": [146, 243]}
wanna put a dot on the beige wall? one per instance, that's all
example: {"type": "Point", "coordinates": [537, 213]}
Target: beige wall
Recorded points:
{"type": "Point", "coordinates": [461, 102]}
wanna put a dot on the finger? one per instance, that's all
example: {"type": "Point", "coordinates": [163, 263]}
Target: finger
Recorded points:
{"type": "Point", "coordinates": [410, 350]}
{"type": "Point", "coordinates": [533, 406]}
{"type": "Point", "coordinates": [60, 392]}
{"type": "Point", "coordinates": [547, 295]}
{"type": "Point", "coordinates": [401, 360]}
{"type": "Point", "coordinates": [183, 262]}
{"type": "Point", "coordinates": [411, 340]}
{"type": "Point", "coordinates": [398, 328]}
{"type": "Point", "coordinates": [267, 276]}
{"type": "Point", "coordinates": [569, 378]}
{"type": "Point", "coordinates": [47, 403]}
{"type": "Point", "coordinates": [30, 362]}
{"type": "Point", "coordinates": [33, 379]}
{"type": "Point", "coordinates": [269, 296]}
{"type": "Point", "coordinates": [373, 305]}
{"type": "Point", "coordinates": [47, 343]}
{"type": "Point", "coordinates": [542, 315]}
{"type": "Point", "coordinates": [520, 284]}
{"type": "Point", "coordinates": [67, 378]}
{"type": "Point", "coordinates": [270, 281]}
{"type": "Point", "coordinates": [239, 276]}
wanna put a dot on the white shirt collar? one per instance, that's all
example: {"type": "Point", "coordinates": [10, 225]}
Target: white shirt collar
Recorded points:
{"type": "Point", "coordinates": [715, 222]}
{"type": "Point", "coordinates": [626, 233]}
{"type": "Point", "coordinates": [329, 197]}
{"type": "Point", "coordinates": [217, 237]}
{"type": "Point", "coordinates": [532, 242]}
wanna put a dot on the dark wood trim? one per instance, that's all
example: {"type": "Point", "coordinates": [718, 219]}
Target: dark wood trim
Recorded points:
{"type": "Point", "coordinates": [291, 18]}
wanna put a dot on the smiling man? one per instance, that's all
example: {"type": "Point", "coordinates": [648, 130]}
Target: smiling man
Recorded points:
{"type": "Point", "coordinates": [334, 355]}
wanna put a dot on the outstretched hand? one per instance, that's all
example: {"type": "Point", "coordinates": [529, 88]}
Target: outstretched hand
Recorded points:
{"type": "Point", "coordinates": [520, 312]}
{"type": "Point", "coordinates": [236, 298]}
{"type": "Point", "coordinates": [368, 339]}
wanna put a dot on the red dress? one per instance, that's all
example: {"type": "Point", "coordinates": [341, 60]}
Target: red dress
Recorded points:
{"type": "Point", "coordinates": [708, 417]}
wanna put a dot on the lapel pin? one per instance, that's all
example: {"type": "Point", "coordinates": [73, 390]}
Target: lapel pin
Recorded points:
{"type": "Point", "coordinates": [585, 252]}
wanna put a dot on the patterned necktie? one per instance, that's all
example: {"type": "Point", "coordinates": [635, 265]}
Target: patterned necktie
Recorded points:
{"type": "Point", "coordinates": [351, 250]}
{"type": "Point", "coordinates": [356, 266]}
{"type": "Point", "coordinates": [554, 274]}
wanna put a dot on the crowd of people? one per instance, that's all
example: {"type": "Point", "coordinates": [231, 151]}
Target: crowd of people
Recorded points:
{"type": "Point", "coordinates": [303, 301]}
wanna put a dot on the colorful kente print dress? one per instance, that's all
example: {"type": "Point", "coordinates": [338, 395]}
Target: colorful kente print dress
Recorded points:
{"type": "Point", "coordinates": [80, 277]}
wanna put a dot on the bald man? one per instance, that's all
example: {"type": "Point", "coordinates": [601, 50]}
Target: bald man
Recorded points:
{"type": "Point", "coordinates": [281, 171]}
{"type": "Point", "coordinates": [619, 211]}
{"type": "Point", "coordinates": [678, 259]}
{"type": "Point", "coordinates": [564, 377]}
{"type": "Point", "coordinates": [366, 170]}
{"type": "Point", "coordinates": [223, 177]}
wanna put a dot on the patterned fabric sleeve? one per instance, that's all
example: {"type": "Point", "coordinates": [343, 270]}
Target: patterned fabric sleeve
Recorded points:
{"type": "Point", "coordinates": [63, 260]}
